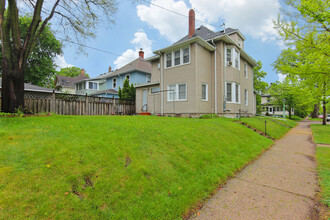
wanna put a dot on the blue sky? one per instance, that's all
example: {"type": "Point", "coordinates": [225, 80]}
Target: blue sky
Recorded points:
{"type": "Point", "coordinates": [149, 27]}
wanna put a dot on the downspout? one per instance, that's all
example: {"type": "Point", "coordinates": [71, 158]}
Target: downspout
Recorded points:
{"type": "Point", "coordinates": [215, 80]}
{"type": "Point", "coordinates": [161, 84]}
{"type": "Point", "coordinates": [224, 77]}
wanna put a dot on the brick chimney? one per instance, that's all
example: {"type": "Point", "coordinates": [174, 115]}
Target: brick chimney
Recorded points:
{"type": "Point", "coordinates": [109, 69]}
{"type": "Point", "coordinates": [191, 22]}
{"type": "Point", "coordinates": [141, 53]}
{"type": "Point", "coordinates": [82, 71]}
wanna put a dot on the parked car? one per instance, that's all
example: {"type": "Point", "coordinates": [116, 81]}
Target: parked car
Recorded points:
{"type": "Point", "coordinates": [328, 117]}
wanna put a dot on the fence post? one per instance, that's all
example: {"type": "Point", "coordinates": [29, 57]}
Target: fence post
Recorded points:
{"type": "Point", "coordinates": [52, 105]}
{"type": "Point", "coordinates": [86, 105]}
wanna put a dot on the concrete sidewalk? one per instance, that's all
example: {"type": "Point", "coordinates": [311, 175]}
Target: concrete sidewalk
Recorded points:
{"type": "Point", "coordinates": [281, 184]}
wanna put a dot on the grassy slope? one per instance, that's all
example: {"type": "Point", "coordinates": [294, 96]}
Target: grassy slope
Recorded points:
{"type": "Point", "coordinates": [172, 163]}
{"type": "Point", "coordinates": [321, 133]}
{"type": "Point", "coordinates": [274, 129]}
{"type": "Point", "coordinates": [321, 136]}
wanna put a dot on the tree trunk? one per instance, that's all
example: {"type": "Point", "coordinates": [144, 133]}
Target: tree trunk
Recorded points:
{"type": "Point", "coordinates": [12, 94]}
{"type": "Point", "coordinates": [324, 121]}
{"type": "Point", "coordinates": [289, 109]}
{"type": "Point", "coordinates": [315, 113]}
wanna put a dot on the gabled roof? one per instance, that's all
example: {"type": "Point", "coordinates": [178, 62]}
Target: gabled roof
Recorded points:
{"type": "Point", "coordinates": [206, 34]}
{"type": "Point", "coordinates": [136, 65]}
{"type": "Point", "coordinates": [66, 81]}
{"type": "Point", "coordinates": [32, 88]}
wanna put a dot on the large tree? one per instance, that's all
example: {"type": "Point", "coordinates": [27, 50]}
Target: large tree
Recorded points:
{"type": "Point", "coordinates": [305, 29]}
{"type": "Point", "coordinates": [72, 18]}
{"type": "Point", "coordinates": [259, 85]}
{"type": "Point", "coordinates": [41, 67]}
{"type": "Point", "coordinates": [70, 72]}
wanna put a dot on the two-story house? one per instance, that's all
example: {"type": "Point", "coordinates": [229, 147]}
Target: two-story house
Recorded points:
{"type": "Point", "coordinates": [66, 84]}
{"type": "Point", "coordinates": [269, 109]}
{"type": "Point", "coordinates": [107, 84]}
{"type": "Point", "coordinates": [204, 72]}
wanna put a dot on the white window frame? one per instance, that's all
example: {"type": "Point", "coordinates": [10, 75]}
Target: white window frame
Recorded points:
{"type": "Point", "coordinates": [246, 97]}
{"type": "Point", "coordinates": [232, 57]}
{"type": "Point", "coordinates": [148, 78]}
{"type": "Point", "coordinates": [128, 76]}
{"type": "Point", "coordinates": [97, 85]}
{"type": "Point", "coordinates": [240, 42]}
{"type": "Point", "coordinates": [176, 92]}
{"type": "Point", "coordinates": [246, 73]}
{"type": "Point", "coordinates": [114, 87]}
{"type": "Point", "coordinates": [172, 53]}
{"type": "Point", "coordinates": [206, 92]}
{"type": "Point", "coordinates": [233, 93]}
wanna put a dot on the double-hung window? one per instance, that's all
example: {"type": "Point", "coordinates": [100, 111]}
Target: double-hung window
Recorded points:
{"type": "Point", "coordinates": [245, 70]}
{"type": "Point", "coordinates": [229, 92]}
{"type": "Point", "coordinates": [246, 97]}
{"type": "Point", "coordinates": [204, 92]}
{"type": "Point", "coordinates": [233, 57]}
{"type": "Point", "coordinates": [169, 60]}
{"type": "Point", "coordinates": [232, 92]}
{"type": "Point", "coordinates": [186, 55]}
{"type": "Point", "coordinates": [92, 85]}
{"type": "Point", "coordinates": [229, 60]}
{"type": "Point", "coordinates": [148, 78]}
{"type": "Point", "coordinates": [177, 58]}
{"type": "Point", "coordinates": [177, 92]}
{"type": "Point", "coordinates": [127, 77]}
{"type": "Point", "coordinates": [114, 83]}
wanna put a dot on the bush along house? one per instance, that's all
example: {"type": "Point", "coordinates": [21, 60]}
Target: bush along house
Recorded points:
{"type": "Point", "coordinates": [204, 72]}
{"type": "Point", "coordinates": [107, 85]}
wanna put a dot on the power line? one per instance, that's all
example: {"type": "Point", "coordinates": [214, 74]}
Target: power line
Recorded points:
{"type": "Point", "coordinates": [93, 48]}
{"type": "Point", "coordinates": [166, 9]}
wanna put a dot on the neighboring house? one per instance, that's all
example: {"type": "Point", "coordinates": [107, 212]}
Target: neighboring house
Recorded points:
{"type": "Point", "coordinates": [29, 88]}
{"type": "Point", "coordinates": [107, 84]}
{"type": "Point", "coordinates": [269, 109]}
{"type": "Point", "coordinates": [204, 72]}
{"type": "Point", "coordinates": [66, 84]}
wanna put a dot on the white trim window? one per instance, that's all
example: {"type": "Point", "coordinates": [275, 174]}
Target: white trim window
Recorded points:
{"type": "Point", "coordinates": [168, 60]}
{"type": "Point", "coordinates": [240, 42]}
{"type": "Point", "coordinates": [127, 76]}
{"type": "Point", "coordinates": [177, 92]}
{"type": "Point", "coordinates": [246, 98]}
{"type": "Point", "coordinates": [177, 58]}
{"type": "Point", "coordinates": [233, 57]}
{"type": "Point", "coordinates": [148, 78]}
{"type": "Point", "coordinates": [114, 83]}
{"type": "Point", "coordinates": [186, 55]}
{"type": "Point", "coordinates": [93, 85]}
{"type": "Point", "coordinates": [232, 92]}
{"type": "Point", "coordinates": [205, 92]}
{"type": "Point", "coordinates": [245, 70]}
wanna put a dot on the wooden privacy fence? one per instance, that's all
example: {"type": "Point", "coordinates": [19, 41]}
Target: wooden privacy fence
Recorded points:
{"type": "Point", "coordinates": [70, 104]}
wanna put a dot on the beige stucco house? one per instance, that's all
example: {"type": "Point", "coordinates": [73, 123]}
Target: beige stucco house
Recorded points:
{"type": "Point", "coordinates": [204, 72]}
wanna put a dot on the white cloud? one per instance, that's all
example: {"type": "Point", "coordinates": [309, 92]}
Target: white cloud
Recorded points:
{"type": "Point", "coordinates": [140, 41]}
{"type": "Point", "coordinates": [252, 17]}
{"type": "Point", "coordinates": [281, 77]}
{"type": "Point", "coordinates": [61, 63]}
{"type": "Point", "coordinates": [170, 25]}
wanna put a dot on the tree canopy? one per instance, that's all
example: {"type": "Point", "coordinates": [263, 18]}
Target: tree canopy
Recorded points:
{"type": "Point", "coordinates": [70, 17]}
{"type": "Point", "coordinates": [305, 29]}
{"type": "Point", "coordinates": [70, 72]}
{"type": "Point", "coordinates": [259, 85]}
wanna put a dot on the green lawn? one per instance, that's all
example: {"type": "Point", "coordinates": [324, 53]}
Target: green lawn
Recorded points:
{"type": "Point", "coordinates": [117, 167]}
{"type": "Point", "coordinates": [321, 133]}
{"type": "Point", "coordinates": [323, 166]}
{"type": "Point", "coordinates": [273, 129]}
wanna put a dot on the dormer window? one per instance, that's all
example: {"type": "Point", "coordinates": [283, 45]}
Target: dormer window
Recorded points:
{"type": "Point", "coordinates": [240, 42]}
{"type": "Point", "coordinates": [92, 85]}
{"type": "Point", "coordinates": [186, 55]}
{"type": "Point", "coordinates": [177, 57]}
